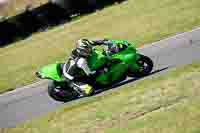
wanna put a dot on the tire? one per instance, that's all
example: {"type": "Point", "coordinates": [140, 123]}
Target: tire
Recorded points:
{"type": "Point", "coordinates": [59, 93]}
{"type": "Point", "coordinates": [146, 65]}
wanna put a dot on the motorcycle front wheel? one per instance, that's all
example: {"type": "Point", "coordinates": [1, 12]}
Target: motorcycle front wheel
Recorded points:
{"type": "Point", "coordinates": [146, 66]}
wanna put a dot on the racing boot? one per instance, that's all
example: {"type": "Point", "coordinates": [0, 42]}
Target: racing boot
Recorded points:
{"type": "Point", "coordinates": [83, 90]}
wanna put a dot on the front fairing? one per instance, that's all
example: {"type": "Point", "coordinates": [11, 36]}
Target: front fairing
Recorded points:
{"type": "Point", "coordinates": [127, 60]}
{"type": "Point", "coordinates": [128, 56]}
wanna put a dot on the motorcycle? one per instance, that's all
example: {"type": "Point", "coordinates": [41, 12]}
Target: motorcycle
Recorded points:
{"type": "Point", "coordinates": [111, 69]}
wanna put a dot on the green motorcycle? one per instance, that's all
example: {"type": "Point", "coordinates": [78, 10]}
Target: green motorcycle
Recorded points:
{"type": "Point", "coordinates": [111, 69]}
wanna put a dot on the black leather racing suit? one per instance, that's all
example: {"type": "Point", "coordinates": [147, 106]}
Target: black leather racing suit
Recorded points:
{"type": "Point", "coordinates": [77, 62]}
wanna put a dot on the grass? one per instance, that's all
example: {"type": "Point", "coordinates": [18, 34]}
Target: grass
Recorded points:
{"type": "Point", "coordinates": [138, 21]}
{"type": "Point", "coordinates": [169, 103]}
{"type": "Point", "coordinates": [15, 7]}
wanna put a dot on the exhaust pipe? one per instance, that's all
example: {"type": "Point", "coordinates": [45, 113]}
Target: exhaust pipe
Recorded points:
{"type": "Point", "coordinates": [38, 75]}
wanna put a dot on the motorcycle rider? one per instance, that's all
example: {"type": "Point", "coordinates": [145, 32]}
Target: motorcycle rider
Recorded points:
{"type": "Point", "coordinates": [79, 56]}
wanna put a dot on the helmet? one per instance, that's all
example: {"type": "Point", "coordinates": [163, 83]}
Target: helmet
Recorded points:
{"type": "Point", "coordinates": [84, 47]}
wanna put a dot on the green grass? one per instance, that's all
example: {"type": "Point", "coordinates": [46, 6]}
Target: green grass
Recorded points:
{"type": "Point", "coordinates": [139, 21]}
{"type": "Point", "coordinates": [169, 103]}
{"type": "Point", "coordinates": [15, 7]}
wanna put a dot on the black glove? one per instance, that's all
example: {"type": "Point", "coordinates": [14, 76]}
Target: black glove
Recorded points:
{"type": "Point", "coordinates": [101, 41]}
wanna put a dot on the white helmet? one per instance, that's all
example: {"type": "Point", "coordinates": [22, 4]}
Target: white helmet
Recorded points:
{"type": "Point", "coordinates": [84, 47]}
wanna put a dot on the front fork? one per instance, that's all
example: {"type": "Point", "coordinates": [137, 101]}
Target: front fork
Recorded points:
{"type": "Point", "coordinates": [135, 66]}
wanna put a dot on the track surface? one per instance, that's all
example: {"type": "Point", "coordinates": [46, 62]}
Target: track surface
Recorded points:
{"type": "Point", "coordinates": [32, 101]}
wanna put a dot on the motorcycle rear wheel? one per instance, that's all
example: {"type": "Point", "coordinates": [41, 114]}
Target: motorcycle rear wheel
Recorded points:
{"type": "Point", "coordinates": [59, 93]}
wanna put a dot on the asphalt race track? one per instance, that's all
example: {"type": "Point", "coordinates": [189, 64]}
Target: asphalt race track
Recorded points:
{"type": "Point", "coordinates": [33, 101]}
